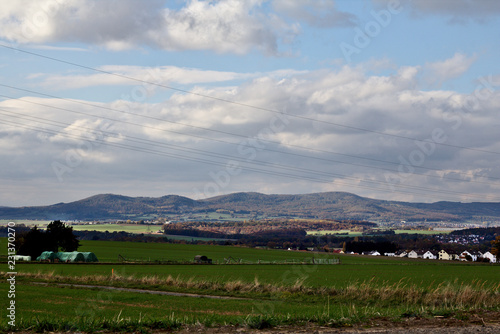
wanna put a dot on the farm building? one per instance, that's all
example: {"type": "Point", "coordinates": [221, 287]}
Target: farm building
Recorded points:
{"type": "Point", "coordinates": [22, 258]}
{"type": "Point", "coordinates": [202, 259]}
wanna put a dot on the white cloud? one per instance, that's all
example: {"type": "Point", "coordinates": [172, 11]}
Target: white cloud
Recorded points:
{"type": "Point", "coordinates": [225, 26]}
{"type": "Point", "coordinates": [451, 68]}
{"type": "Point", "coordinates": [157, 75]}
{"type": "Point", "coordinates": [389, 103]}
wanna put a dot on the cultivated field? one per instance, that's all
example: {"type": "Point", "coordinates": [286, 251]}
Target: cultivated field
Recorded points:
{"type": "Point", "coordinates": [357, 291]}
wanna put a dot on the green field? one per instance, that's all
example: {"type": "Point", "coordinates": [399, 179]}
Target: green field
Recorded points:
{"type": "Point", "coordinates": [137, 229]}
{"type": "Point", "coordinates": [358, 289]}
{"type": "Point", "coordinates": [4, 222]}
{"type": "Point", "coordinates": [130, 228]}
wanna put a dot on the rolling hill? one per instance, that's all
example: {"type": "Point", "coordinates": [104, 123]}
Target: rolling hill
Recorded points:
{"type": "Point", "coordinates": [333, 205]}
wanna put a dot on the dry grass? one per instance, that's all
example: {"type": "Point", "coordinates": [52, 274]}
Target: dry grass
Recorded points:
{"type": "Point", "coordinates": [451, 295]}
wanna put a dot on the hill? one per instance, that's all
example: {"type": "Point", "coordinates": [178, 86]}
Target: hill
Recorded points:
{"type": "Point", "coordinates": [334, 205]}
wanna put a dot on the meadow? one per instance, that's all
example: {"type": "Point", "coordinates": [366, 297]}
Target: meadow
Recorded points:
{"type": "Point", "coordinates": [137, 229]}
{"type": "Point", "coordinates": [356, 291]}
{"type": "Point", "coordinates": [130, 228]}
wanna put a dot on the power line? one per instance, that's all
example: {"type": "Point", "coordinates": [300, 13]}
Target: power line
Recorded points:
{"type": "Point", "coordinates": [239, 103]}
{"type": "Point", "coordinates": [149, 142]}
{"type": "Point", "coordinates": [227, 133]}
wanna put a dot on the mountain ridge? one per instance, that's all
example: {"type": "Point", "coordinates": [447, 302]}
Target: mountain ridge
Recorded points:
{"type": "Point", "coordinates": [333, 205]}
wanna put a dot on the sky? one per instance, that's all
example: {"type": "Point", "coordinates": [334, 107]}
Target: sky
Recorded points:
{"type": "Point", "coordinates": [388, 99]}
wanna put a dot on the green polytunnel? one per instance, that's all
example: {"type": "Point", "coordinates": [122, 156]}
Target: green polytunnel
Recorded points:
{"type": "Point", "coordinates": [70, 257]}
{"type": "Point", "coordinates": [90, 257]}
{"type": "Point", "coordinates": [47, 256]}
{"type": "Point", "coordinates": [67, 257]}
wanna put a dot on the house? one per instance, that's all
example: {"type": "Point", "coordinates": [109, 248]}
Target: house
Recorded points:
{"type": "Point", "coordinates": [466, 255]}
{"type": "Point", "coordinates": [491, 257]}
{"type": "Point", "coordinates": [430, 255]}
{"type": "Point", "coordinates": [389, 254]}
{"type": "Point", "coordinates": [401, 254]}
{"type": "Point", "coordinates": [444, 255]}
{"type": "Point", "coordinates": [415, 254]}
{"type": "Point", "coordinates": [372, 253]}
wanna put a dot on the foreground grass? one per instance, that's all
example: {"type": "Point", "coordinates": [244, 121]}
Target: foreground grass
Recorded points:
{"type": "Point", "coordinates": [52, 308]}
{"type": "Point", "coordinates": [357, 291]}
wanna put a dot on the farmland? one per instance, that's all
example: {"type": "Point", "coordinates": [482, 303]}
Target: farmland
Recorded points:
{"type": "Point", "coordinates": [358, 289]}
{"type": "Point", "coordinates": [130, 228]}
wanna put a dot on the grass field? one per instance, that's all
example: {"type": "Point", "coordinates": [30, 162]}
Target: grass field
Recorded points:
{"type": "Point", "coordinates": [130, 228]}
{"type": "Point", "coordinates": [358, 289]}
{"type": "Point", "coordinates": [138, 229]}
{"type": "Point", "coordinates": [4, 222]}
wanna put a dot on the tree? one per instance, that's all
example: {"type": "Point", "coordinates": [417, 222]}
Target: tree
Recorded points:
{"type": "Point", "coordinates": [495, 250]}
{"type": "Point", "coordinates": [31, 243]}
{"type": "Point", "coordinates": [57, 237]}
{"type": "Point", "coordinates": [62, 237]}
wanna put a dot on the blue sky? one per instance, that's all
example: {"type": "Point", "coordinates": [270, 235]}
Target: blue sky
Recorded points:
{"type": "Point", "coordinates": [390, 99]}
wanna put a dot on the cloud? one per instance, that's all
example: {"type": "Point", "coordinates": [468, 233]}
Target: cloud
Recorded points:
{"type": "Point", "coordinates": [163, 75]}
{"type": "Point", "coordinates": [458, 11]}
{"type": "Point", "coordinates": [226, 26]}
{"type": "Point", "coordinates": [147, 79]}
{"type": "Point", "coordinates": [438, 72]}
{"type": "Point", "coordinates": [317, 13]}
{"type": "Point", "coordinates": [183, 144]}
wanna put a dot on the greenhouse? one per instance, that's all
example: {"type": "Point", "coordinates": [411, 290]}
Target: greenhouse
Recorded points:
{"type": "Point", "coordinates": [67, 257]}
{"type": "Point", "coordinates": [70, 257]}
{"type": "Point", "coordinates": [47, 256]}
{"type": "Point", "coordinates": [90, 257]}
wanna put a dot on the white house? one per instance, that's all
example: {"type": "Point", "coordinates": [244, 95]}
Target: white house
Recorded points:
{"type": "Point", "coordinates": [430, 255]}
{"type": "Point", "coordinates": [415, 254]}
{"type": "Point", "coordinates": [412, 254]}
{"type": "Point", "coordinates": [491, 257]}
{"type": "Point", "coordinates": [464, 254]}
{"type": "Point", "coordinates": [372, 253]}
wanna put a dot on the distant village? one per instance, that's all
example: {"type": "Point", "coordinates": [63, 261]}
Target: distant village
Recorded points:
{"type": "Point", "coordinates": [471, 256]}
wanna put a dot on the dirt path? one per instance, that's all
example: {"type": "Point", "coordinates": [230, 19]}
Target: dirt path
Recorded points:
{"type": "Point", "coordinates": [420, 329]}
{"type": "Point", "coordinates": [152, 292]}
